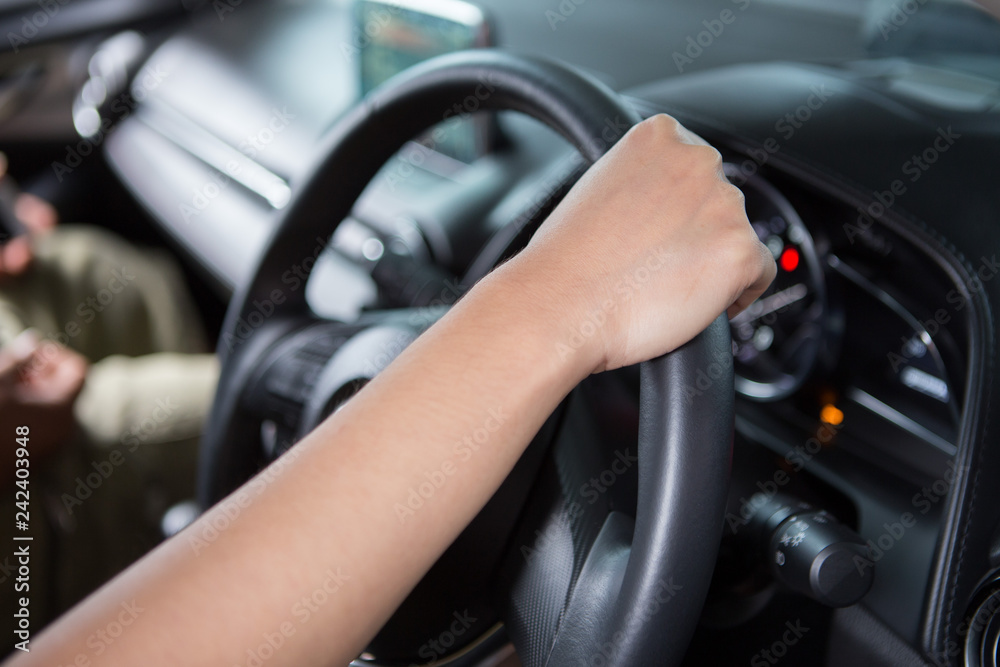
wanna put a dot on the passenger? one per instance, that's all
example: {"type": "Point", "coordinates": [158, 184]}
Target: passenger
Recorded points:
{"type": "Point", "coordinates": [328, 519]}
{"type": "Point", "coordinates": [102, 354]}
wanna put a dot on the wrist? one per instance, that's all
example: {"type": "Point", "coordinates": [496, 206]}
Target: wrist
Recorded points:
{"type": "Point", "coordinates": [555, 320]}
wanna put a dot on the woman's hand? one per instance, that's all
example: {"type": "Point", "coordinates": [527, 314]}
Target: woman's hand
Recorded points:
{"type": "Point", "coordinates": [648, 248]}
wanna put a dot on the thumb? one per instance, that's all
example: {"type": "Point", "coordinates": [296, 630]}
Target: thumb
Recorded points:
{"type": "Point", "coordinates": [18, 352]}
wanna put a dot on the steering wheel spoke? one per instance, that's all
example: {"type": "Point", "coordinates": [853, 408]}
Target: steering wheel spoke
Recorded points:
{"type": "Point", "coordinates": [293, 372]}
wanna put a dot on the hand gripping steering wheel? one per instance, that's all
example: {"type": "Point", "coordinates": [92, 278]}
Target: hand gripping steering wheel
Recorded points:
{"type": "Point", "coordinates": [605, 587]}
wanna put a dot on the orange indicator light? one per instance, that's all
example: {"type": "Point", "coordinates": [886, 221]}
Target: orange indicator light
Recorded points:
{"type": "Point", "coordinates": [831, 414]}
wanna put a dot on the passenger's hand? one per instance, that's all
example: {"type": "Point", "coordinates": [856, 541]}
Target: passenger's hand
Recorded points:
{"type": "Point", "coordinates": [38, 216]}
{"type": "Point", "coordinates": [15, 256]}
{"type": "Point", "coordinates": [39, 384]}
{"type": "Point", "coordinates": [650, 246]}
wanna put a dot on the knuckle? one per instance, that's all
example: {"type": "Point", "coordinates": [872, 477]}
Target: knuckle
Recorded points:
{"type": "Point", "coordinates": [662, 123]}
{"type": "Point", "coordinates": [738, 248]}
{"type": "Point", "coordinates": [738, 240]}
{"type": "Point", "coordinates": [708, 158]}
{"type": "Point", "coordinates": [732, 196]}
{"type": "Point", "coordinates": [727, 205]}
{"type": "Point", "coordinates": [655, 129]}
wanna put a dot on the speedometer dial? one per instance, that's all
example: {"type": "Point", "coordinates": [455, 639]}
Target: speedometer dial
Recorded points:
{"type": "Point", "coordinates": [777, 339]}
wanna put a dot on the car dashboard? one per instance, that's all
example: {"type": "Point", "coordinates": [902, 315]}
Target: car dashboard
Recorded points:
{"type": "Point", "coordinates": [863, 376]}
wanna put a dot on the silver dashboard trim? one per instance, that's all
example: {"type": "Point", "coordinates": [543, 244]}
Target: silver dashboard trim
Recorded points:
{"type": "Point", "coordinates": [869, 402]}
{"type": "Point", "coordinates": [215, 153]}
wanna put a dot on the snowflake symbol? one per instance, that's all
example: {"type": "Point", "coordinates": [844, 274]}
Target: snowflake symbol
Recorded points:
{"type": "Point", "coordinates": [789, 540]}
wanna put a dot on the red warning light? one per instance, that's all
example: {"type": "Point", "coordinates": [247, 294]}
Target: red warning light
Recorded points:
{"type": "Point", "coordinates": [789, 259]}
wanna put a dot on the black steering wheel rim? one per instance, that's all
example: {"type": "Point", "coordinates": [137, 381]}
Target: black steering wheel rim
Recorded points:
{"type": "Point", "coordinates": [686, 423]}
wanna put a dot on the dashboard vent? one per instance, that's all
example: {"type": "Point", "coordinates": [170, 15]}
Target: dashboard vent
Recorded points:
{"type": "Point", "coordinates": [982, 643]}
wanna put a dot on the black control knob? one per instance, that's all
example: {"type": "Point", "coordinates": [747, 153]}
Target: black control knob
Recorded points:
{"type": "Point", "coordinates": [407, 282]}
{"type": "Point", "coordinates": [809, 551]}
{"type": "Point", "coordinates": [812, 553]}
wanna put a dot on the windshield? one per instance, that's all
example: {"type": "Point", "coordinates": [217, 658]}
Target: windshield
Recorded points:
{"type": "Point", "coordinates": [654, 39]}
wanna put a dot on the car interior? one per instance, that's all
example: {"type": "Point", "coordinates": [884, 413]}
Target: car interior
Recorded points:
{"type": "Point", "coordinates": [807, 483]}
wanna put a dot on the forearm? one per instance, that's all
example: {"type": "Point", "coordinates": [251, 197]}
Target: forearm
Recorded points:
{"type": "Point", "coordinates": [340, 506]}
{"type": "Point", "coordinates": [647, 249]}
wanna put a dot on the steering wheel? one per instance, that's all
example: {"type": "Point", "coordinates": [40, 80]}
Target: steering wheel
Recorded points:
{"type": "Point", "coordinates": [607, 586]}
